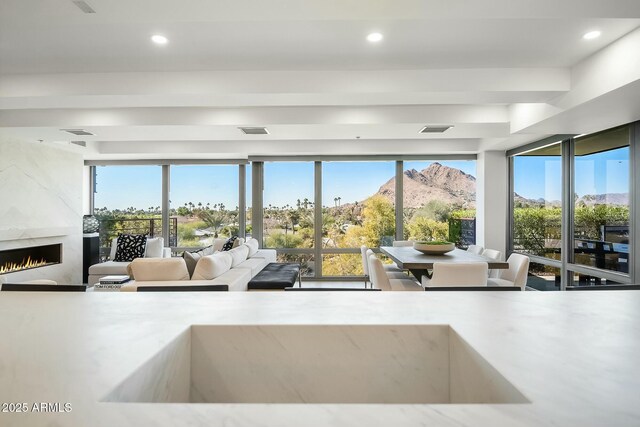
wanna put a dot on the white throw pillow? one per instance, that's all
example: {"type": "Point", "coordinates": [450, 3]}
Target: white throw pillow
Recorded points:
{"type": "Point", "coordinates": [154, 247]}
{"type": "Point", "coordinates": [211, 266]}
{"type": "Point", "coordinates": [239, 255]}
{"type": "Point", "coordinates": [217, 244]}
{"type": "Point", "coordinates": [253, 246]}
{"type": "Point", "coordinates": [114, 247]}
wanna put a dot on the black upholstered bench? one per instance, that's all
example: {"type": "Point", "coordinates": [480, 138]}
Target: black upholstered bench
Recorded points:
{"type": "Point", "coordinates": [276, 275]}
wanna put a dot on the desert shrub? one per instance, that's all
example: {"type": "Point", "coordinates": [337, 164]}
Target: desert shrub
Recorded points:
{"type": "Point", "coordinates": [421, 228]}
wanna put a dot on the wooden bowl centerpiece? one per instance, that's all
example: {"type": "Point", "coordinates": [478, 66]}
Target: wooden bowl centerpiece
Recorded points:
{"type": "Point", "coordinates": [434, 248]}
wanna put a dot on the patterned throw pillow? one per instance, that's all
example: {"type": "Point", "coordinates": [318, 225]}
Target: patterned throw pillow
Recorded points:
{"type": "Point", "coordinates": [228, 245]}
{"type": "Point", "coordinates": [130, 247]}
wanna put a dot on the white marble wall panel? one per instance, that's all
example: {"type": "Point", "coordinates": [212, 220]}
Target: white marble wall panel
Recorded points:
{"type": "Point", "coordinates": [41, 203]}
{"type": "Point", "coordinates": [320, 364]}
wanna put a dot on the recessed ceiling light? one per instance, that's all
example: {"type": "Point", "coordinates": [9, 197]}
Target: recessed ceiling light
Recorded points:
{"type": "Point", "coordinates": [591, 35]}
{"type": "Point", "coordinates": [375, 37]}
{"type": "Point", "coordinates": [158, 39]}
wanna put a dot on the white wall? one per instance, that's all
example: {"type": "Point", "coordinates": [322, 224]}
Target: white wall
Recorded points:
{"type": "Point", "coordinates": [40, 204]}
{"type": "Point", "coordinates": [491, 200]}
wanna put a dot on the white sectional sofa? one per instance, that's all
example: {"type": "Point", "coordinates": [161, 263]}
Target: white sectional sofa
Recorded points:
{"type": "Point", "coordinates": [154, 249]}
{"type": "Point", "coordinates": [234, 268]}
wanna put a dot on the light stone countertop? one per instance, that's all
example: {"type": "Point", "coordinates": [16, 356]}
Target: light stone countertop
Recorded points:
{"type": "Point", "coordinates": [574, 355]}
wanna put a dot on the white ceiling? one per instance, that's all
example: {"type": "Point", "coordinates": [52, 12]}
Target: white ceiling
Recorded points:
{"type": "Point", "coordinates": [501, 71]}
{"type": "Point", "coordinates": [304, 45]}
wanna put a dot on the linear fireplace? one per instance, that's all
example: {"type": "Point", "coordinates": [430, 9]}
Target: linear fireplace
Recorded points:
{"type": "Point", "coordinates": [21, 259]}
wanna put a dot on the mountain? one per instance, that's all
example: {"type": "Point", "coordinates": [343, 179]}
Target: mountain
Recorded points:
{"type": "Point", "coordinates": [614, 199]}
{"type": "Point", "coordinates": [524, 202]}
{"type": "Point", "coordinates": [436, 182]}
{"type": "Point", "coordinates": [601, 199]}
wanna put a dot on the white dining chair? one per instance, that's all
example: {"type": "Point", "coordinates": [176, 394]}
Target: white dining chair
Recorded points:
{"type": "Point", "coordinates": [457, 274]}
{"type": "Point", "coordinates": [365, 264]}
{"type": "Point", "coordinates": [475, 249]}
{"type": "Point", "coordinates": [494, 255]}
{"type": "Point", "coordinates": [391, 270]}
{"type": "Point", "coordinates": [515, 275]}
{"type": "Point", "coordinates": [402, 243]}
{"type": "Point", "coordinates": [380, 278]}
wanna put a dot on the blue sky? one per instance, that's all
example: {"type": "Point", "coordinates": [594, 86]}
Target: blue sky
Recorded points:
{"type": "Point", "coordinates": [540, 177]}
{"type": "Point", "coordinates": [141, 186]}
{"type": "Point", "coordinates": [285, 182]}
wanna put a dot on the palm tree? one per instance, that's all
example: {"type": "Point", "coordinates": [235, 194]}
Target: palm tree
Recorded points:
{"type": "Point", "coordinates": [213, 219]}
{"type": "Point", "coordinates": [294, 218]}
{"type": "Point", "coordinates": [335, 201]}
{"type": "Point", "coordinates": [339, 201]}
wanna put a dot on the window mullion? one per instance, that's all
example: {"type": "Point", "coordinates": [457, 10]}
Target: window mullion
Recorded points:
{"type": "Point", "coordinates": [317, 219]}
{"type": "Point", "coordinates": [399, 191]}
{"type": "Point", "coordinates": [568, 189]}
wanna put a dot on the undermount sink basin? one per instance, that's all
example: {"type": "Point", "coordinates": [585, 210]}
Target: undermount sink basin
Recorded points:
{"type": "Point", "coordinates": [399, 364]}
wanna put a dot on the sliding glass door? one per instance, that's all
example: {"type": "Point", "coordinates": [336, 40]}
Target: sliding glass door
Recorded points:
{"type": "Point", "coordinates": [537, 213]}
{"type": "Point", "coordinates": [572, 211]}
{"type": "Point", "coordinates": [601, 213]}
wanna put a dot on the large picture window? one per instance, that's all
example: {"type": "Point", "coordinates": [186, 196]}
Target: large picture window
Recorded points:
{"type": "Point", "coordinates": [358, 208]}
{"type": "Point", "coordinates": [314, 212]}
{"type": "Point", "coordinates": [288, 214]}
{"type": "Point", "coordinates": [439, 201]}
{"type": "Point", "coordinates": [127, 199]}
{"type": "Point", "coordinates": [204, 203]}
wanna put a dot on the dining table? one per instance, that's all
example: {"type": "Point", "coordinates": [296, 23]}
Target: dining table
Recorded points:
{"type": "Point", "coordinates": [420, 264]}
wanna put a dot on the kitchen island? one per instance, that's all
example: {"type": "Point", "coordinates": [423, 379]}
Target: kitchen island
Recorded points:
{"type": "Point", "coordinates": [490, 359]}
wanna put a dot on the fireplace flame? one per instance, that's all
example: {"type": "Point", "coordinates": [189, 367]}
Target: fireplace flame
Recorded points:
{"type": "Point", "coordinates": [24, 265]}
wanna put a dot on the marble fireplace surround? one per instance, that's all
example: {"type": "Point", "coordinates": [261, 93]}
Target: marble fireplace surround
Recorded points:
{"type": "Point", "coordinates": [313, 364]}
{"type": "Point", "coordinates": [64, 272]}
{"type": "Point", "coordinates": [41, 193]}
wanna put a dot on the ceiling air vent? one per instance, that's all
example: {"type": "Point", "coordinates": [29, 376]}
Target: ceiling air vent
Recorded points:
{"type": "Point", "coordinates": [80, 143]}
{"type": "Point", "coordinates": [78, 132]}
{"type": "Point", "coordinates": [254, 130]}
{"type": "Point", "coordinates": [435, 128]}
{"type": "Point", "coordinates": [83, 6]}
